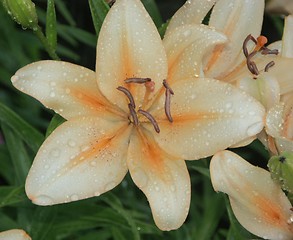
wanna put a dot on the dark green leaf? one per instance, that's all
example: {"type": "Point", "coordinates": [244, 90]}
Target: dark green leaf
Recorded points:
{"type": "Point", "coordinates": [154, 12]}
{"type": "Point", "coordinates": [18, 154]}
{"type": "Point", "coordinates": [25, 131]}
{"type": "Point", "coordinates": [99, 10]}
{"type": "Point", "coordinates": [51, 29]}
{"type": "Point", "coordinates": [62, 8]}
{"type": "Point", "coordinates": [55, 122]}
{"type": "Point", "coordinates": [12, 195]}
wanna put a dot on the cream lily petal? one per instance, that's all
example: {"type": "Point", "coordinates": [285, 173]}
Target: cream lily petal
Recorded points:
{"type": "Point", "coordinates": [163, 179]}
{"type": "Point", "coordinates": [82, 158]}
{"type": "Point", "coordinates": [257, 202]}
{"type": "Point", "coordinates": [14, 234]}
{"type": "Point", "coordinates": [209, 116]}
{"type": "Point", "coordinates": [68, 89]}
{"type": "Point", "coordinates": [186, 48]}
{"type": "Point", "coordinates": [129, 46]}
{"type": "Point", "coordinates": [265, 89]}
{"type": "Point", "coordinates": [236, 19]}
{"type": "Point", "coordinates": [287, 40]}
{"type": "Point", "coordinates": [192, 12]}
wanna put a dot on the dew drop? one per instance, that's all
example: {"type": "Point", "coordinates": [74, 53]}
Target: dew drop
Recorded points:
{"type": "Point", "coordinates": [43, 200]}
{"type": "Point", "coordinates": [71, 143]}
{"type": "Point", "coordinates": [93, 163]}
{"type": "Point", "coordinates": [55, 152]}
{"type": "Point", "coordinates": [52, 94]}
{"type": "Point", "coordinates": [74, 197]}
{"type": "Point", "coordinates": [254, 128]}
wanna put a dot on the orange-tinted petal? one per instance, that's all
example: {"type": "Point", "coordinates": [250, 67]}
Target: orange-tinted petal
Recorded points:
{"type": "Point", "coordinates": [129, 45]}
{"type": "Point", "coordinates": [257, 201]}
{"type": "Point", "coordinates": [236, 19]}
{"type": "Point", "coordinates": [186, 48]}
{"type": "Point", "coordinates": [68, 89]}
{"type": "Point", "coordinates": [163, 179]}
{"type": "Point", "coordinates": [82, 158]}
{"type": "Point", "coordinates": [287, 40]}
{"type": "Point", "coordinates": [14, 234]}
{"type": "Point", "coordinates": [192, 12]}
{"type": "Point", "coordinates": [208, 116]}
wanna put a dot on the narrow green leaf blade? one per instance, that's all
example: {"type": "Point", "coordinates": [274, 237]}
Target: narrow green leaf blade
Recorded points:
{"type": "Point", "coordinates": [99, 10]}
{"type": "Point", "coordinates": [12, 195]}
{"type": "Point", "coordinates": [18, 154]}
{"type": "Point", "coordinates": [55, 122]}
{"type": "Point", "coordinates": [154, 12]}
{"type": "Point", "coordinates": [32, 137]}
{"type": "Point", "coordinates": [51, 25]}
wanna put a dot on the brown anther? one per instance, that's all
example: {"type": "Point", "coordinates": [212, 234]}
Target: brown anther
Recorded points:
{"type": "Point", "coordinates": [137, 80]}
{"type": "Point", "coordinates": [269, 65]}
{"type": "Point", "coordinates": [168, 105]}
{"type": "Point", "coordinates": [166, 85]}
{"type": "Point", "coordinates": [133, 114]}
{"type": "Point", "coordinates": [266, 51]}
{"type": "Point", "coordinates": [128, 94]}
{"type": "Point", "coordinates": [151, 119]}
{"type": "Point", "coordinates": [244, 47]}
{"type": "Point", "coordinates": [261, 41]}
{"type": "Point", "coordinates": [251, 64]}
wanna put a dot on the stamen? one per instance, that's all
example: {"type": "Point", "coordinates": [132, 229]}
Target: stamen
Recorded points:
{"type": "Point", "coordinates": [168, 105]}
{"type": "Point", "coordinates": [137, 80]}
{"type": "Point", "coordinates": [166, 85]}
{"type": "Point", "coordinates": [251, 64]}
{"type": "Point", "coordinates": [266, 51]}
{"type": "Point", "coordinates": [128, 94]}
{"type": "Point", "coordinates": [269, 65]}
{"type": "Point", "coordinates": [133, 114]}
{"type": "Point", "coordinates": [244, 47]}
{"type": "Point", "coordinates": [151, 119]}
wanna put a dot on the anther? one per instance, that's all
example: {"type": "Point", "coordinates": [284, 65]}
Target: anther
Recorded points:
{"type": "Point", "coordinates": [168, 105]}
{"type": "Point", "coordinates": [269, 65]}
{"type": "Point", "coordinates": [128, 94]}
{"type": "Point", "coordinates": [133, 114]}
{"type": "Point", "coordinates": [244, 47]}
{"type": "Point", "coordinates": [137, 80]}
{"type": "Point", "coordinates": [266, 51]}
{"type": "Point", "coordinates": [166, 85]}
{"type": "Point", "coordinates": [151, 119]}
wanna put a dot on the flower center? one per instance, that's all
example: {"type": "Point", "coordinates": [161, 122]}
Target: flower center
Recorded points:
{"type": "Point", "coordinates": [149, 84]}
{"type": "Point", "coordinates": [259, 47]}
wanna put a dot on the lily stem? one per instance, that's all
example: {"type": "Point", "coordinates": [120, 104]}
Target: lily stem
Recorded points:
{"type": "Point", "coordinates": [39, 33]}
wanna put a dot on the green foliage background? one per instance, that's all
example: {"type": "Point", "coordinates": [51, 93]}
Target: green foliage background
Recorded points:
{"type": "Point", "coordinates": [123, 213]}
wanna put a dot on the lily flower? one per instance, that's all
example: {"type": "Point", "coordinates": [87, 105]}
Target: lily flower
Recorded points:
{"type": "Point", "coordinates": [256, 200]}
{"type": "Point", "coordinates": [130, 115]}
{"type": "Point", "coordinates": [243, 59]}
{"type": "Point", "coordinates": [14, 234]}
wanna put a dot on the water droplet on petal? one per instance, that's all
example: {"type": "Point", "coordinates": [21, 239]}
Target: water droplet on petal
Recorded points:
{"type": "Point", "coordinates": [55, 152]}
{"type": "Point", "coordinates": [74, 197]}
{"type": "Point", "coordinates": [71, 143]}
{"type": "Point", "coordinates": [254, 129]}
{"type": "Point", "coordinates": [43, 200]}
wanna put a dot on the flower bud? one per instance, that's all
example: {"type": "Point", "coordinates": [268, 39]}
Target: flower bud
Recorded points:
{"type": "Point", "coordinates": [23, 12]}
{"type": "Point", "coordinates": [281, 168]}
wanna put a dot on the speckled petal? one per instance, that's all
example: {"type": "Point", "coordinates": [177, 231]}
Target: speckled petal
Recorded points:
{"type": "Point", "coordinates": [236, 19]}
{"type": "Point", "coordinates": [68, 89]}
{"type": "Point", "coordinates": [208, 116]}
{"type": "Point", "coordinates": [163, 179]}
{"type": "Point", "coordinates": [82, 158]}
{"type": "Point", "coordinates": [287, 40]}
{"type": "Point", "coordinates": [186, 48]}
{"type": "Point", "coordinates": [14, 234]}
{"type": "Point", "coordinates": [129, 46]}
{"type": "Point", "coordinates": [265, 89]}
{"type": "Point", "coordinates": [192, 12]}
{"type": "Point", "coordinates": [257, 202]}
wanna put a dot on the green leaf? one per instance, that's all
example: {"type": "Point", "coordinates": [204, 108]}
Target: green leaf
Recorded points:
{"type": "Point", "coordinates": [56, 121]}
{"type": "Point", "coordinates": [62, 8]}
{"type": "Point", "coordinates": [154, 12]}
{"type": "Point", "coordinates": [115, 203]}
{"type": "Point", "coordinates": [32, 137]}
{"type": "Point", "coordinates": [12, 195]}
{"type": "Point", "coordinates": [99, 10]}
{"type": "Point", "coordinates": [6, 167]}
{"type": "Point", "coordinates": [162, 29]}
{"type": "Point", "coordinates": [18, 154]}
{"type": "Point", "coordinates": [51, 25]}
